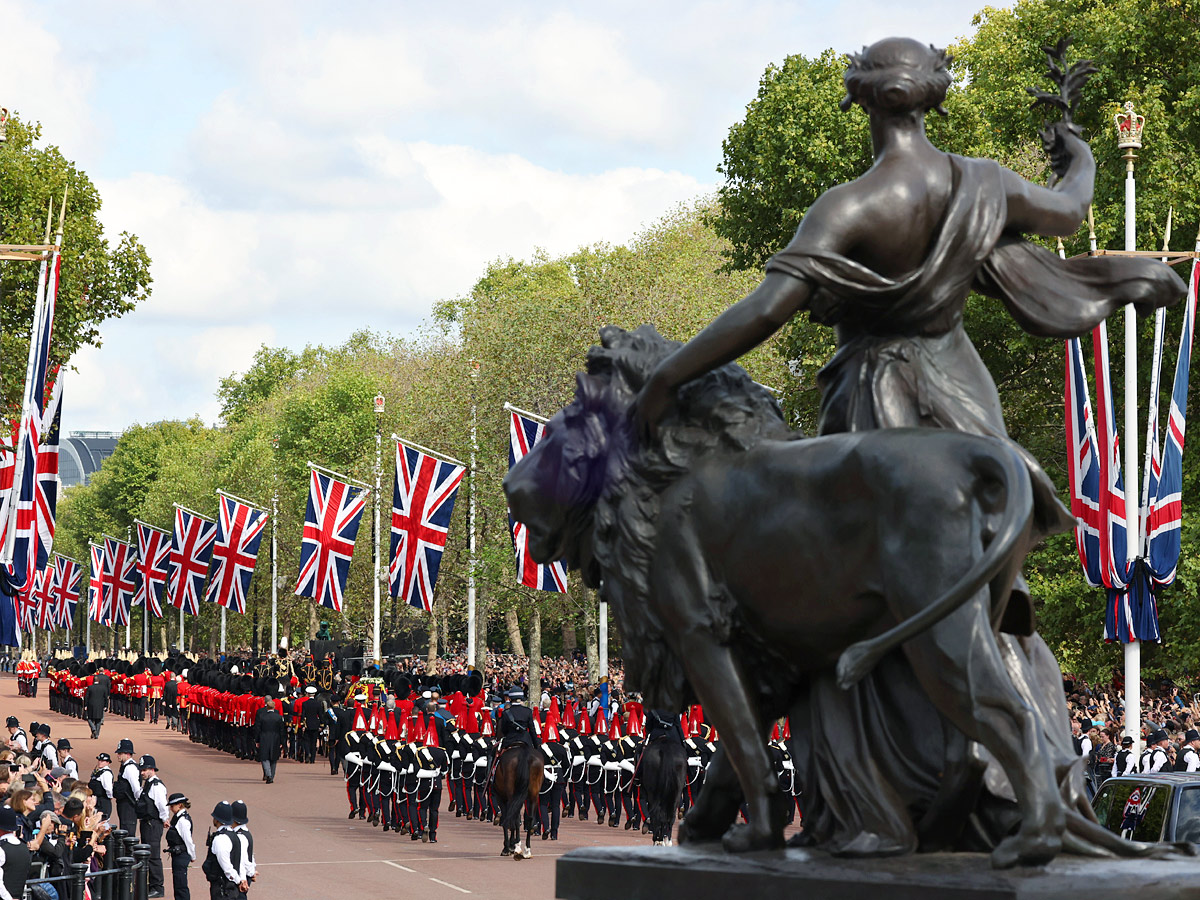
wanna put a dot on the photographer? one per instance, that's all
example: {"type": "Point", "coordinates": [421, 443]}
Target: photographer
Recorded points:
{"type": "Point", "coordinates": [50, 848]}
{"type": "Point", "coordinates": [88, 832]}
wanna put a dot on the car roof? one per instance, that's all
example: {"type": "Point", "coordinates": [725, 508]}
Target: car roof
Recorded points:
{"type": "Point", "coordinates": [1179, 778]}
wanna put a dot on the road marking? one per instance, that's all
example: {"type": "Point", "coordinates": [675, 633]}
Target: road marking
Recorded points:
{"type": "Point", "coordinates": [359, 862]}
{"type": "Point", "coordinates": [388, 862]}
{"type": "Point", "coordinates": [449, 885]}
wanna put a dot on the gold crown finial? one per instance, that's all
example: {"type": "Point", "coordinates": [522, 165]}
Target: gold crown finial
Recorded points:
{"type": "Point", "coordinates": [3, 124]}
{"type": "Point", "coordinates": [1129, 128]}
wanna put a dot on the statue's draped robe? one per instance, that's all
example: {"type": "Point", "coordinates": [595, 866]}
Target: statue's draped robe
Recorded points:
{"type": "Point", "coordinates": [874, 757]}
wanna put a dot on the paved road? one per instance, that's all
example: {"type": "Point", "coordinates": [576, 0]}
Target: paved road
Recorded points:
{"type": "Point", "coordinates": [306, 848]}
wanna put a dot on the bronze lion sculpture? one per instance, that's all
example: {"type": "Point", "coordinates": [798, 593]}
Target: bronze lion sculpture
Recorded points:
{"type": "Point", "coordinates": [745, 564]}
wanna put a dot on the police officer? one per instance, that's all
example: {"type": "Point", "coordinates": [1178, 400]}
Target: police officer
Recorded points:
{"type": "Point", "coordinates": [1126, 762]}
{"type": "Point", "coordinates": [128, 787]}
{"type": "Point", "coordinates": [1189, 754]}
{"type": "Point", "coordinates": [223, 864]}
{"type": "Point", "coordinates": [241, 821]}
{"type": "Point", "coordinates": [65, 759]}
{"type": "Point", "coordinates": [102, 783]}
{"type": "Point", "coordinates": [1154, 757]}
{"type": "Point", "coordinates": [154, 816]}
{"type": "Point", "coordinates": [18, 740]}
{"type": "Point", "coordinates": [180, 844]}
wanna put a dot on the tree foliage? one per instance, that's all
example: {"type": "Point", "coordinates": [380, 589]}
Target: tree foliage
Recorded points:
{"type": "Point", "coordinates": [99, 281]}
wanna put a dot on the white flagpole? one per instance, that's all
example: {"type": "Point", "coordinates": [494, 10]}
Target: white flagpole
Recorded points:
{"type": "Point", "coordinates": [222, 629]}
{"type": "Point", "coordinates": [375, 643]}
{"type": "Point", "coordinates": [39, 312]}
{"type": "Point", "coordinates": [128, 618]}
{"type": "Point", "coordinates": [1130, 143]}
{"type": "Point", "coordinates": [274, 549]}
{"type": "Point", "coordinates": [471, 639]}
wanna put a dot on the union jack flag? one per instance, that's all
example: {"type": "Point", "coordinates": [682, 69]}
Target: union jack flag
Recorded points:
{"type": "Point", "coordinates": [335, 510]}
{"type": "Point", "coordinates": [47, 601]}
{"type": "Point", "coordinates": [1098, 501]}
{"type": "Point", "coordinates": [67, 577]}
{"type": "Point", "coordinates": [187, 562]}
{"type": "Point", "coordinates": [152, 550]}
{"type": "Point", "coordinates": [523, 435]}
{"type": "Point", "coordinates": [234, 553]}
{"type": "Point", "coordinates": [1165, 521]}
{"type": "Point", "coordinates": [422, 503]}
{"type": "Point", "coordinates": [96, 606]}
{"type": "Point", "coordinates": [119, 580]}
{"type": "Point", "coordinates": [18, 517]}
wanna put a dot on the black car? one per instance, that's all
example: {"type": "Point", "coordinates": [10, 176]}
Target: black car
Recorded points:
{"type": "Point", "coordinates": [1155, 807]}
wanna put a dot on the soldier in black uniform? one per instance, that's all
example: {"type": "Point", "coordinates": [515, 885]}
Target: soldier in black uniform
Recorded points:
{"type": "Point", "coordinates": [555, 770]}
{"type": "Point", "coordinates": [432, 764]}
{"type": "Point", "coordinates": [311, 712]}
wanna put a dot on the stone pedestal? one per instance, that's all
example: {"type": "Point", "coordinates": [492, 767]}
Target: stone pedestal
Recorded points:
{"type": "Point", "coordinates": [701, 872]}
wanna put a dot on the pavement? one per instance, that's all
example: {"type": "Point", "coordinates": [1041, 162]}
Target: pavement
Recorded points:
{"type": "Point", "coordinates": [305, 846]}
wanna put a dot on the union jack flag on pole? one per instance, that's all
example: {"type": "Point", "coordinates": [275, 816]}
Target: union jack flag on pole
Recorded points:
{"type": "Point", "coordinates": [119, 579]}
{"type": "Point", "coordinates": [96, 608]}
{"type": "Point", "coordinates": [187, 561]}
{"type": "Point", "coordinates": [335, 510]}
{"type": "Point", "coordinates": [47, 601]}
{"type": "Point", "coordinates": [17, 515]}
{"type": "Point", "coordinates": [67, 576]}
{"type": "Point", "coordinates": [1098, 494]}
{"type": "Point", "coordinates": [422, 503]}
{"type": "Point", "coordinates": [524, 432]}
{"type": "Point", "coordinates": [153, 547]}
{"type": "Point", "coordinates": [235, 552]}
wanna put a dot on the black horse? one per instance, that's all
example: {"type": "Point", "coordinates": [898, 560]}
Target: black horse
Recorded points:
{"type": "Point", "coordinates": [662, 772]}
{"type": "Point", "coordinates": [518, 782]}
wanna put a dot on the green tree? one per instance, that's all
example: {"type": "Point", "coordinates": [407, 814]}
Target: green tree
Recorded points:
{"type": "Point", "coordinates": [99, 281]}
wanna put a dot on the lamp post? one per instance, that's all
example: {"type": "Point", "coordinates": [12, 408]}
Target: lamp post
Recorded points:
{"type": "Point", "coordinates": [1129, 139]}
{"type": "Point", "coordinates": [379, 403]}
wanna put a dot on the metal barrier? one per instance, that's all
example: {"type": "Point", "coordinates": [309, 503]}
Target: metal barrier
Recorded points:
{"type": "Point", "coordinates": [125, 879]}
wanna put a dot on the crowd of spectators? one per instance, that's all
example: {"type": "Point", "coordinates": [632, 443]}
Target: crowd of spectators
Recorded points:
{"type": "Point", "coordinates": [47, 817]}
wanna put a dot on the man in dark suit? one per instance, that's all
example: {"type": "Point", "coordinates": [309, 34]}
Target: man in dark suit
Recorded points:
{"type": "Point", "coordinates": [269, 731]}
{"type": "Point", "coordinates": [95, 700]}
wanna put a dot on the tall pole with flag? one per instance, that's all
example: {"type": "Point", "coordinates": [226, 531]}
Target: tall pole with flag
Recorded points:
{"type": "Point", "coordinates": [1129, 139]}
{"type": "Point", "coordinates": [274, 545]}
{"type": "Point", "coordinates": [471, 637]}
{"type": "Point", "coordinates": [375, 575]}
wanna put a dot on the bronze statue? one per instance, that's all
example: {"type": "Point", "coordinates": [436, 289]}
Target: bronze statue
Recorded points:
{"type": "Point", "coordinates": [868, 585]}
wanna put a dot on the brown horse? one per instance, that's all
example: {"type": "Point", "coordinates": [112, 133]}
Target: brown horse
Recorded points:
{"type": "Point", "coordinates": [518, 782]}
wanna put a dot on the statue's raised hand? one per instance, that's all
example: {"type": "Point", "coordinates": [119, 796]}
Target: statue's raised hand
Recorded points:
{"type": "Point", "coordinates": [652, 403]}
{"type": "Point", "coordinates": [1063, 143]}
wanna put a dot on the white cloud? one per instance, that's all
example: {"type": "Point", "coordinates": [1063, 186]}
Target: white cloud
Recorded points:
{"type": "Point", "coordinates": [42, 82]}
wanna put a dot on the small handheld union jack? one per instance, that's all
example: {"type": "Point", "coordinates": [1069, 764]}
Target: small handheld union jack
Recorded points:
{"type": "Point", "coordinates": [235, 552]}
{"type": "Point", "coordinates": [422, 503]}
{"type": "Point", "coordinates": [523, 434]}
{"type": "Point", "coordinates": [335, 511]}
{"type": "Point", "coordinates": [153, 548]}
{"type": "Point", "coordinates": [187, 560]}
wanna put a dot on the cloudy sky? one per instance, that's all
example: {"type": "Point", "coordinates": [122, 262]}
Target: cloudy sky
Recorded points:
{"type": "Point", "coordinates": [298, 171]}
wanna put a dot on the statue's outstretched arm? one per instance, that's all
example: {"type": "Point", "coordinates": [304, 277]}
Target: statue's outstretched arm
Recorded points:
{"type": "Point", "coordinates": [736, 331]}
{"type": "Point", "coordinates": [1056, 211]}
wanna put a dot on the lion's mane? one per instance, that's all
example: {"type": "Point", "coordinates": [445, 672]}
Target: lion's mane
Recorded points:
{"type": "Point", "coordinates": [722, 410]}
